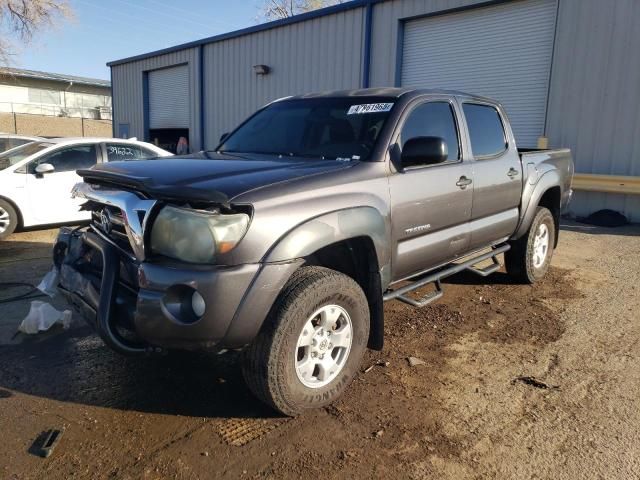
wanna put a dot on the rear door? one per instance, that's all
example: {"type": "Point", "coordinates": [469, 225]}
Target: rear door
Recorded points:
{"type": "Point", "coordinates": [430, 204]}
{"type": "Point", "coordinates": [50, 194]}
{"type": "Point", "coordinates": [497, 174]}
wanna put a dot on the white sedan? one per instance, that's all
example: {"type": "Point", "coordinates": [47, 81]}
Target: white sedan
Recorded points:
{"type": "Point", "coordinates": [36, 178]}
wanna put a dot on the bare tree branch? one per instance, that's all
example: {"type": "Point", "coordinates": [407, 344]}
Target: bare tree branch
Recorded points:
{"type": "Point", "coordinates": [279, 9]}
{"type": "Point", "coordinates": [20, 20]}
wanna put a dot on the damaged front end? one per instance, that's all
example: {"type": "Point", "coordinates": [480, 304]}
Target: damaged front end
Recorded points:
{"type": "Point", "coordinates": [90, 279]}
{"type": "Point", "coordinates": [136, 275]}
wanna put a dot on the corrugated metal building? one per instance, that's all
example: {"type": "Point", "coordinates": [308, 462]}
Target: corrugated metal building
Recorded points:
{"type": "Point", "coordinates": [564, 69]}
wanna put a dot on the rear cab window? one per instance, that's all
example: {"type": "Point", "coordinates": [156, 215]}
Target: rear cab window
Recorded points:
{"type": "Point", "coordinates": [486, 130]}
{"type": "Point", "coordinates": [117, 152]}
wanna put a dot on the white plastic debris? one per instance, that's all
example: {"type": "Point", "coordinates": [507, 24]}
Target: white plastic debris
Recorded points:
{"type": "Point", "coordinates": [49, 283]}
{"type": "Point", "coordinates": [42, 317]}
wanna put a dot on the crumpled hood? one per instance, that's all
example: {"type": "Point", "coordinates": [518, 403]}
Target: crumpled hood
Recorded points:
{"type": "Point", "coordinates": [208, 176]}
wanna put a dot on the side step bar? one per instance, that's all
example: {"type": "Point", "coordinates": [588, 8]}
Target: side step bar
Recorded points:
{"type": "Point", "coordinates": [435, 278]}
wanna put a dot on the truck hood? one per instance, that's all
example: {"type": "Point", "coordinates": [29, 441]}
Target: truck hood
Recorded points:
{"type": "Point", "coordinates": [207, 177]}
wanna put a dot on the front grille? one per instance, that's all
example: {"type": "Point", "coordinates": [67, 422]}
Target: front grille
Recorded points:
{"type": "Point", "coordinates": [109, 221]}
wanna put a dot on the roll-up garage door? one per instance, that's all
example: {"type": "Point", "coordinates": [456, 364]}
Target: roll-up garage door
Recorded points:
{"type": "Point", "coordinates": [503, 52]}
{"type": "Point", "coordinates": [169, 98]}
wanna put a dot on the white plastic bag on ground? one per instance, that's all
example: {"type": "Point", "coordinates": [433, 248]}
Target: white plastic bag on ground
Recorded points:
{"type": "Point", "coordinates": [42, 317]}
{"type": "Point", "coordinates": [49, 283]}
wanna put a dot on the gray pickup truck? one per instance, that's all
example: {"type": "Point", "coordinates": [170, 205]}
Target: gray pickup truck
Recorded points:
{"type": "Point", "coordinates": [286, 240]}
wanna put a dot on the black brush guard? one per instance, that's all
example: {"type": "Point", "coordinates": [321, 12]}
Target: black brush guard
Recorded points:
{"type": "Point", "coordinates": [98, 307]}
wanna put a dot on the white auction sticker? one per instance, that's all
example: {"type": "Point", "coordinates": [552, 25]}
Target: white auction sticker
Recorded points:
{"type": "Point", "coordinates": [369, 108]}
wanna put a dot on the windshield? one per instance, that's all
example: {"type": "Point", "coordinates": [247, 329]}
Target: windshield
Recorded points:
{"type": "Point", "coordinates": [328, 128]}
{"type": "Point", "coordinates": [15, 155]}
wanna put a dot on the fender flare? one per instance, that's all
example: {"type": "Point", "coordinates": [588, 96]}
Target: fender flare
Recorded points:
{"type": "Point", "coordinates": [534, 193]}
{"type": "Point", "coordinates": [333, 227]}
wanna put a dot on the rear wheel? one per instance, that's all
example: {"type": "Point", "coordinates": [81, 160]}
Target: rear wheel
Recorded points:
{"type": "Point", "coordinates": [530, 256]}
{"type": "Point", "coordinates": [312, 344]}
{"type": "Point", "coordinates": [8, 219]}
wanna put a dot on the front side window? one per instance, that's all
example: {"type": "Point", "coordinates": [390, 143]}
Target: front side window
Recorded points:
{"type": "Point", "coordinates": [433, 119]}
{"type": "Point", "coordinates": [327, 128]}
{"type": "Point", "coordinates": [69, 159]}
{"type": "Point", "coordinates": [119, 151]}
{"type": "Point", "coordinates": [485, 129]}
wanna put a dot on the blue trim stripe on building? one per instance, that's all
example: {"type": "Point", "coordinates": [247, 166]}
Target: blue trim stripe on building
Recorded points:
{"type": "Point", "coordinates": [368, 31]}
{"type": "Point", "coordinates": [145, 105]}
{"type": "Point", "coordinates": [201, 96]}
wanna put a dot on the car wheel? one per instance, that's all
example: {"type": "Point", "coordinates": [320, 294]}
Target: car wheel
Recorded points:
{"type": "Point", "coordinates": [311, 344]}
{"type": "Point", "coordinates": [8, 219]}
{"type": "Point", "coordinates": [530, 256]}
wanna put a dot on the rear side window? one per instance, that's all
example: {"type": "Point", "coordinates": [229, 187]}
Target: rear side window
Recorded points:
{"type": "Point", "coordinates": [486, 130]}
{"type": "Point", "coordinates": [432, 119]}
{"type": "Point", "coordinates": [118, 152]}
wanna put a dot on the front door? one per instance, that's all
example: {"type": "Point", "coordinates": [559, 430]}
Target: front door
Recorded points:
{"type": "Point", "coordinates": [50, 193]}
{"type": "Point", "coordinates": [431, 204]}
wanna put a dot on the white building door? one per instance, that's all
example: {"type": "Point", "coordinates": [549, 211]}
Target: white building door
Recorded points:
{"type": "Point", "coordinates": [169, 98]}
{"type": "Point", "coordinates": [503, 52]}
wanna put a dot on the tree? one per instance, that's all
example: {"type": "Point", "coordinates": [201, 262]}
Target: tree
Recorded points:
{"type": "Point", "coordinates": [279, 9]}
{"type": "Point", "coordinates": [21, 19]}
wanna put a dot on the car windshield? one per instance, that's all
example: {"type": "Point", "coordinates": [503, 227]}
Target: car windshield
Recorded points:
{"type": "Point", "coordinates": [17, 154]}
{"type": "Point", "coordinates": [327, 128]}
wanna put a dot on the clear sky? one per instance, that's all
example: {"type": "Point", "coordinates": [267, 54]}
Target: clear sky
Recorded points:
{"type": "Point", "coordinates": [105, 30]}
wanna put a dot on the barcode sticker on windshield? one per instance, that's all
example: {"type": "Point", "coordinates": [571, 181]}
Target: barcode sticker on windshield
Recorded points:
{"type": "Point", "coordinates": [369, 108]}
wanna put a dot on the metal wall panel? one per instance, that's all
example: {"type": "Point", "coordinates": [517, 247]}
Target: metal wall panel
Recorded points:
{"type": "Point", "coordinates": [386, 34]}
{"type": "Point", "coordinates": [169, 97]}
{"type": "Point", "coordinates": [594, 100]}
{"type": "Point", "coordinates": [320, 54]}
{"type": "Point", "coordinates": [128, 98]}
{"type": "Point", "coordinates": [502, 52]}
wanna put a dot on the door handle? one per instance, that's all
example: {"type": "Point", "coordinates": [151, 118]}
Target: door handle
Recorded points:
{"type": "Point", "coordinates": [464, 182]}
{"type": "Point", "coordinates": [512, 173]}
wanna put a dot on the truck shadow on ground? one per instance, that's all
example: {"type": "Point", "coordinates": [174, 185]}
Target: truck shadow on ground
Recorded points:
{"type": "Point", "coordinates": [76, 367]}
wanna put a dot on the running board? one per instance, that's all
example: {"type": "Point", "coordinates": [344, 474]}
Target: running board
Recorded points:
{"type": "Point", "coordinates": [436, 278]}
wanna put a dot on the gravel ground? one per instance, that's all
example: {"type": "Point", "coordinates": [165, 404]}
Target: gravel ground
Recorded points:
{"type": "Point", "coordinates": [518, 382]}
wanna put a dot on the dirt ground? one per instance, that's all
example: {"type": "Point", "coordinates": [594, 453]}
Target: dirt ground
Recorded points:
{"type": "Point", "coordinates": [518, 382]}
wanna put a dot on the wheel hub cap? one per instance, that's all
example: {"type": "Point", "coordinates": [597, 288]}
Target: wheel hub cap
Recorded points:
{"type": "Point", "coordinates": [323, 346]}
{"type": "Point", "coordinates": [540, 246]}
{"type": "Point", "coordinates": [4, 220]}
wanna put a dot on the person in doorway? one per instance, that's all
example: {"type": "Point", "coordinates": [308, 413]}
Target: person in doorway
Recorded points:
{"type": "Point", "coordinates": [183, 146]}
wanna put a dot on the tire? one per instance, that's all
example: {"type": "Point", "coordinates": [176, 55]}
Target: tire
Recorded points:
{"type": "Point", "coordinates": [528, 260]}
{"type": "Point", "coordinates": [283, 367]}
{"type": "Point", "coordinates": [8, 219]}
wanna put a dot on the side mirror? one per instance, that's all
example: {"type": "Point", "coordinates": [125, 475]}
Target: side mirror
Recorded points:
{"type": "Point", "coordinates": [424, 151]}
{"type": "Point", "coordinates": [45, 168]}
{"type": "Point", "coordinates": [224, 136]}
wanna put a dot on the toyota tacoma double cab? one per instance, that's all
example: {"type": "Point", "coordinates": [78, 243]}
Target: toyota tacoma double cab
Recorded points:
{"type": "Point", "coordinates": [286, 240]}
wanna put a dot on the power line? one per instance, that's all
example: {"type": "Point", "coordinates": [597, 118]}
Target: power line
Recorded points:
{"type": "Point", "coordinates": [153, 25]}
{"type": "Point", "coordinates": [183, 12]}
{"type": "Point", "coordinates": [160, 12]}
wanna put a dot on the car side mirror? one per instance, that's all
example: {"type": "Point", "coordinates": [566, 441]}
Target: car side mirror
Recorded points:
{"type": "Point", "coordinates": [224, 136]}
{"type": "Point", "coordinates": [45, 168]}
{"type": "Point", "coordinates": [424, 151]}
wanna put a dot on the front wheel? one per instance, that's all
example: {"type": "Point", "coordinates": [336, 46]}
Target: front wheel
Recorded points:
{"type": "Point", "coordinates": [312, 343]}
{"type": "Point", "coordinates": [8, 219]}
{"type": "Point", "coordinates": [530, 255]}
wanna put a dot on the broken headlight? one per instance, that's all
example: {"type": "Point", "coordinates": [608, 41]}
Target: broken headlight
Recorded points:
{"type": "Point", "coordinates": [196, 236]}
